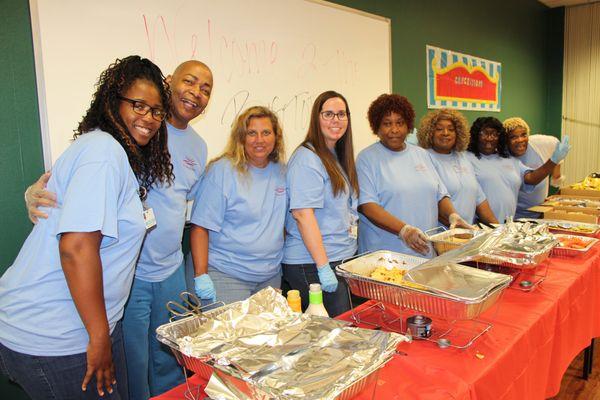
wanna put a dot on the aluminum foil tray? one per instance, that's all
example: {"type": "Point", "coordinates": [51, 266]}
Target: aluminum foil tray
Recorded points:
{"type": "Point", "coordinates": [259, 348]}
{"type": "Point", "coordinates": [444, 305]}
{"type": "Point", "coordinates": [559, 251]}
{"type": "Point", "coordinates": [442, 242]}
{"type": "Point", "coordinates": [516, 259]}
{"type": "Point", "coordinates": [566, 227]}
{"type": "Point", "coordinates": [172, 331]}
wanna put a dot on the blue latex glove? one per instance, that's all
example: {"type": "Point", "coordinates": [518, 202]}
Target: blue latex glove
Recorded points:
{"type": "Point", "coordinates": [561, 150]}
{"type": "Point", "coordinates": [329, 282]}
{"type": "Point", "coordinates": [204, 288]}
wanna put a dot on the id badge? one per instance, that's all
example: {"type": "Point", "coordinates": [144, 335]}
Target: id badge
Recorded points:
{"type": "Point", "coordinates": [353, 230]}
{"type": "Point", "coordinates": [149, 218]}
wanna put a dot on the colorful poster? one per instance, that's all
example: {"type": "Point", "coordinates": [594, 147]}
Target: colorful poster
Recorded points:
{"type": "Point", "coordinates": [460, 81]}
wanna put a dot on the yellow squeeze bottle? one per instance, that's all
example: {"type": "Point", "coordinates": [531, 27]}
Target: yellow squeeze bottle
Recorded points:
{"type": "Point", "coordinates": [294, 301]}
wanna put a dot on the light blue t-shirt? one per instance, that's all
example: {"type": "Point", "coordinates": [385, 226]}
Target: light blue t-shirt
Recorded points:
{"type": "Point", "coordinates": [309, 186]}
{"type": "Point", "coordinates": [245, 216]}
{"type": "Point", "coordinates": [500, 178]}
{"type": "Point", "coordinates": [406, 184]}
{"type": "Point", "coordinates": [96, 190]}
{"type": "Point", "coordinates": [537, 196]}
{"type": "Point", "coordinates": [457, 174]}
{"type": "Point", "coordinates": [161, 253]}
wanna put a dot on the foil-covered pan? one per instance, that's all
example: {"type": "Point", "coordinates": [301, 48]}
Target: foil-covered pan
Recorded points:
{"type": "Point", "coordinates": [567, 227]}
{"type": "Point", "coordinates": [451, 239]}
{"type": "Point", "coordinates": [449, 291]}
{"type": "Point", "coordinates": [564, 251]}
{"type": "Point", "coordinates": [259, 348]}
{"type": "Point", "coordinates": [520, 245]}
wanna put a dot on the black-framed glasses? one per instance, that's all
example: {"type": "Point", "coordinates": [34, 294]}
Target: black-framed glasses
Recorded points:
{"type": "Point", "coordinates": [329, 115]}
{"type": "Point", "coordinates": [491, 134]}
{"type": "Point", "coordinates": [142, 108]}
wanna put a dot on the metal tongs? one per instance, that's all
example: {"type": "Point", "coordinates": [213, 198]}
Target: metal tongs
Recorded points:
{"type": "Point", "coordinates": [190, 305]}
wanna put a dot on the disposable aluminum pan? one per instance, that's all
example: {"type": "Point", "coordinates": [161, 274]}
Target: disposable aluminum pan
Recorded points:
{"type": "Point", "coordinates": [454, 292]}
{"type": "Point", "coordinates": [443, 241]}
{"type": "Point", "coordinates": [560, 251]}
{"type": "Point", "coordinates": [169, 333]}
{"type": "Point", "coordinates": [517, 259]}
{"type": "Point", "coordinates": [568, 227]}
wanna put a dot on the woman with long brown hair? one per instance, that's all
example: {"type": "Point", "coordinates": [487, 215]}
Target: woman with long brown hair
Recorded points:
{"type": "Point", "coordinates": [322, 184]}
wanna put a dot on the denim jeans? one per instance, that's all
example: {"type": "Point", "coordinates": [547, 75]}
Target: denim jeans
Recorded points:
{"type": "Point", "coordinates": [230, 289]}
{"type": "Point", "coordinates": [300, 276]}
{"type": "Point", "coordinates": [60, 377]}
{"type": "Point", "coordinates": [151, 366]}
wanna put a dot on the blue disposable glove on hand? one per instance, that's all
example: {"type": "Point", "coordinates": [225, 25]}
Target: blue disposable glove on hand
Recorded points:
{"type": "Point", "coordinates": [204, 288]}
{"type": "Point", "coordinates": [329, 282]}
{"type": "Point", "coordinates": [561, 150]}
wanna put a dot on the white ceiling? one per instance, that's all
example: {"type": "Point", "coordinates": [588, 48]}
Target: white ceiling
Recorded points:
{"type": "Point", "coordinates": [560, 3]}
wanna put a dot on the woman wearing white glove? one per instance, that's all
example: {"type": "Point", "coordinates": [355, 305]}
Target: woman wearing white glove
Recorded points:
{"type": "Point", "coordinates": [401, 194]}
{"type": "Point", "coordinates": [445, 135]}
{"type": "Point", "coordinates": [321, 226]}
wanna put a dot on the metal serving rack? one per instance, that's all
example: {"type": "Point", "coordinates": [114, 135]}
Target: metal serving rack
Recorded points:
{"type": "Point", "coordinates": [454, 320]}
{"type": "Point", "coordinates": [189, 308]}
{"type": "Point", "coordinates": [525, 280]}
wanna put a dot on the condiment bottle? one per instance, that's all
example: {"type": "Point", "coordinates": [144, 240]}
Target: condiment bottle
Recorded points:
{"type": "Point", "coordinates": [315, 301]}
{"type": "Point", "coordinates": [294, 301]}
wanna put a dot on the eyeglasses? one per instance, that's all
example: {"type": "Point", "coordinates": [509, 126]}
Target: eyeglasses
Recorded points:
{"type": "Point", "coordinates": [142, 108]}
{"type": "Point", "coordinates": [329, 115]}
{"type": "Point", "coordinates": [490, 134]}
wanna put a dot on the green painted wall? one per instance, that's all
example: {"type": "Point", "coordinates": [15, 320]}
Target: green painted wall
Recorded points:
{"type": "Point", "coordinates": [525, 36]}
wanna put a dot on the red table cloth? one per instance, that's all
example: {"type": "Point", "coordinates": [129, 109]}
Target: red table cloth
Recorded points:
{"type": "Point", "coordinates": [534, 338]}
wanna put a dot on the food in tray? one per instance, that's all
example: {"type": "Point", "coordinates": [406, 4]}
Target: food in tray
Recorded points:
{"type": "Point", "coordinates": [394, 275]}
{"type": "Point", "coordinates": [573, 242]}
{"type": "Point", "coordinates": [589, 183]}
{"type": "Point", "coordinates": [460, 238]}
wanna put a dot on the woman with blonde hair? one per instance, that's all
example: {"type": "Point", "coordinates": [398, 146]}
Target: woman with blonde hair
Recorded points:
{"type": "Point", "coordinates": [239, 212]}
{"type": "Point", "coordinates": [533, 151]}
{"type": "Point", "coordinates": [445, 135]}
{"type": "Point", "coordinates": [323, 188]}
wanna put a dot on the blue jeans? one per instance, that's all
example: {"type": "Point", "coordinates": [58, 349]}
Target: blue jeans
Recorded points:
{"type": "Point", "coordinates": [230, 289]}
{"type": "Point", "coordinates": [151, 366]}
{"type": "Point", "coordinates": [300, 276]}
{"type": "Point", "coordinates": [60, 377]}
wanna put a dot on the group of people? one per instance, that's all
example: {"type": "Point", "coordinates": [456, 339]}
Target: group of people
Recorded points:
{"type": "Point", "coordinates": [75, 304]}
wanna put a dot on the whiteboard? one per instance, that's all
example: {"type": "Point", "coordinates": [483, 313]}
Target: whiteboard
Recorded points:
{"type": "Point", "coordinates": [277, 53]}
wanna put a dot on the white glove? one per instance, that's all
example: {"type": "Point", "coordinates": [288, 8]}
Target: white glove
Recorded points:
{"type": "Point", "coordinates": [558, 182]}
{"type": "Point", "coordinates": [457, 221]}
{"type": "Point", "coordinates": [414, 238]}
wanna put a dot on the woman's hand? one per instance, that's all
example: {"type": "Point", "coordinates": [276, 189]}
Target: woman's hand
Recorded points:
{"type": "Point", "coordinates": [329, 282]}
{"type": "Point", "coordinates": [37, 196]}
{"type": "Point", "coordinates": [204, 288]}
{"type": "Point", "coordinates": [456, 221]}
{"type": "Point", "coordinates": [414, 238]}
{"type": "Point", "coordinates": [100, 364]}
{"type": "Point", "coordinates": [561, 150]}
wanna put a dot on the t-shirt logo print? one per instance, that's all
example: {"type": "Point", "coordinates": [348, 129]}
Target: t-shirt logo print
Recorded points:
{"type": "Point", "coordinates": [280, 190]}
{"type": "Point", "coordinates": [189, 163]}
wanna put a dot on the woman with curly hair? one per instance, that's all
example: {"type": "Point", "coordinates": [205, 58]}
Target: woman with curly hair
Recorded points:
{"type": "Point", "coordinates": [445, 135]}
{"type": "Point", "coordinates": [159, 276]}
{"type": "Point", "coordinates": [239, 212]}
{"type": "Point", "coordinates": [323, 189]}
{"type": "Point", "coordinates": [532, 151]}
{"type": "Point", "coordinates": [501, 176]}
{"type": "Point", "coordinates": [401, 194]}
{"type": "Point", "coordinates": [64, 296]}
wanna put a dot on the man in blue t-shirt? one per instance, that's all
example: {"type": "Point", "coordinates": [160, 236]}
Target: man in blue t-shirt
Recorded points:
{"type": "Point", "coordinates": [160, 275]}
